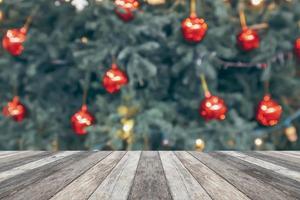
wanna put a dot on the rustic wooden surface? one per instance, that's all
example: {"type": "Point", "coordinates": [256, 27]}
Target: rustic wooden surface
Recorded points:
{"type": "Point", "coordinates": [149, 175]}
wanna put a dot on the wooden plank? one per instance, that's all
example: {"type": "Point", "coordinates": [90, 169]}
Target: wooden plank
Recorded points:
{"type": "Point", "coordinates": [22, 158]}
{"type": "Point", "coordinates": [17, 155]}
{"type": "Point", "coordinates": [250, 186]}
{"type": "Point", "coordinates": [150, 181]}
{"type": "Point", "coordinates": [7, 152]}
{"type": "Point", "coordinates": [278, 155]}
{"type": "Point", "coordinates": [181, 183]}
{"type": "Point", "coordinates": [49, 186]}
{"type": "Point", "coordinates": [284, 184]}
{"type": "Point", "coordinates": [33, 165]}
{"type": "Point", "coordinates": [4, 154]}
{"type": "Point", "coordinates": [270, 166]}
{"type": "Point", "coordinates": [85, 185]}
{"type": "Point", "coordinates": [292, 152]}
{"type": "Point", "coordinates": [276, 159]}
{"type": "Point", "coordinates": [214, 185]}
{"type": "Point", "coordinates": [117, 184]}
{"type": "Point", "coordinates": [294, 156]}
{"type": "Point", "coordinates": [16, 183]}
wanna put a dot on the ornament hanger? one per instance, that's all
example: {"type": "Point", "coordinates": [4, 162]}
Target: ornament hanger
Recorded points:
{"type": "Point", "coordinates": [193, 10]}
{"type": "Point", "coordinates": [86, 87]}
{"type": "Point", "coordinates": [204, 85]}
{"type": "Point", "coordinates": [30, 18]}
{"type": "Point", "coordinates": [243, 18]}
{"type": "Point", "coordinates": [267, 87]}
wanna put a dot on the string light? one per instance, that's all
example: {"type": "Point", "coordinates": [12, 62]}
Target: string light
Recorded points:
{"type": "Point", "coordinates": [199, 144]}
{"type": "Point", "coordinates": [165, 142]}
{"type": "Point", "coordinates": [80, 4]}
{"type": "Point", "coordinates": [156, 2]}
{"type": "Point", "coordinates": [84, 40]}
{"type": "Point", "coordinates": [258, 142]}
{"type": "Point", "coordinates": [256, 3]}
{"type": "Point", "coordinates": [1, 15]}
{"type": "Point", "coordinates": [128, 125]}
{"type": "Point", "coordinates": [291, 133]}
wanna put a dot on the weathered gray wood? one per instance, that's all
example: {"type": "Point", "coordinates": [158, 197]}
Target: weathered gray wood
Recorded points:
{"type": "Point", "coordinates": [49, 186]}
{"type": "Point", "coordinates": [275, 159]}
{"type": "Point", "coordinates": [182, 184]}
{"type": "Point", "coordinates": [4, 154]}
{"type": "Point", "coordinates": [292, 152]}
{"type": "Point", "coordinates": [21, 158]}
{"type": "Point", "coordinates": [252, 187]}
{"type": "Point", "coordinates": [6, 157]}
{"type": "Point", "coordinates": [149, 175]}
{"type": "Point", "coordinates": [284, 184]}
{"type": "Point", "coordinates": [215, 185]}
{"type": "Point", "coordinates": [7, 152]}
{"type": "Point", "coordinates": [150, 181]}
{"type": "Point", "coordinates": [85, 185]}
{"type": "Point", "coordinates": [294, 156]}
{"type": "Point", "coordinates": [33, 165]}
{"type": "Point", "coordinates": [270, 166]}
{"type": "Point", "coordinates": [117, 184]}
{"type": "Point", "coordinates": [16, 183]}
{"type": "Point", "coordinates": [288, 158]}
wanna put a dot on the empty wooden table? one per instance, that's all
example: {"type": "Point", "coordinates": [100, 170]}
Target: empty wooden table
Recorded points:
{"type": "Point", "coordinates": [149, 175]}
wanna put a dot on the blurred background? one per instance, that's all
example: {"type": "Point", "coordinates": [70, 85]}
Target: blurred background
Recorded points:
{"type": "Point", "coordinates": [71, 44]}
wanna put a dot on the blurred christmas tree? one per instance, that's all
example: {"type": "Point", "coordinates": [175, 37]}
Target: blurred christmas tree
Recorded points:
{"type": "Point", "coordinates": [71, 40]}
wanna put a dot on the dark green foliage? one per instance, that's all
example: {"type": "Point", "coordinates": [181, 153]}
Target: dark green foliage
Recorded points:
{"type": "Point", "coordinates": [163, 72]}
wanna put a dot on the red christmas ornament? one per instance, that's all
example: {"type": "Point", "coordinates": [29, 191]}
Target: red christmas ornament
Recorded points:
{"type": "Point", "coordinates": [82, 119]}
{"type": "Point", "coordinates": [212, 107]}
{"type": "Point", "coordinates": [248, 39]}
{"type": "Point", "coordinates": [13, 41]}
{"type": "Point", "coordinates": [15, 109]}
{"type": "Point", "coordinates": [297, 48]}
{"type": "Point", "coordinates": [193, 28]}
{"type": "Point", "coordinates": [125, 8]}
{"type": "Point", "coordinates": [268, 111]}
{"type": "Point", "coordinates": [114, 79]}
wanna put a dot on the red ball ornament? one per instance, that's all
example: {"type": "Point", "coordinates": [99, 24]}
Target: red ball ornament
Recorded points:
{"type": "Point", "coordinates": [268, 111]}
{"type": "Point", "coordinates": [114, 79]}
{"type": "Point", "coordinates": [82, 119]}
{"type": "Point", "coordinates": [297, 48]}
{"type": "Point", "coordinates": [125, 8]}
{"type": "Point", "coordinates": [13, 41]}
{"type": "Point", "coordinates": [15, 109]}
{"type": "Point", "coordinates": [248, 39]}
{"type": "Point", "coordinates": [212, 107]}
{"type": "Point", "coordinates": [193, 28]}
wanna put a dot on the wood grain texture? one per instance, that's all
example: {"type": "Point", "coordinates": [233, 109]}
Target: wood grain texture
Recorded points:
{"type": "Point", "coordinates": [294, 156]}
{"type": "Point", "coordinates": [216, 186]}
{"type": "Point", "coordinates": [270, 166]}
{"type": "Point", "coordinates": [250, 186]}
{"type": "Point", "coordinates": [287, 158]}
{"type": "Point", "coordinates": [33, 165]}
{"type": "Point", "coordinates": [135, 175]}
{"type": "Point", "coordinates": [21, 158]}
{"type": "Point", "coordinates": [15, 184]}
{"type": "Point", "coordinates": [117, 184]}
{"type": "Point", "coordinates": [149, 181]}
{"type": "Point", "coordinates": [49, 186]}
{"type": "Point", "coordinates": [87, 183]}
{"type": "Point", "coordinates": [282, 183]}
{"type": "Point", "coordinates": [280, 160]}
{"type": "Point", "coordinates": [4, 154]}
{"type": "Point", "coordinates": [181, 183]}
{"type": "Point", "coordinates": [292, 152]}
